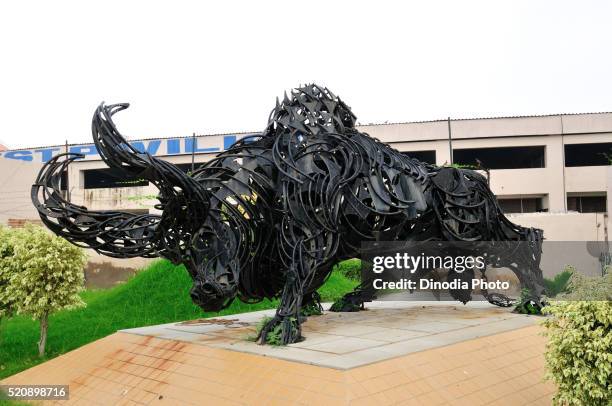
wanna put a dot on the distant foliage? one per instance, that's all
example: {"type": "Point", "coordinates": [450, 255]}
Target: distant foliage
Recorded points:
{"type": "Point", "coordinates": [351, 268]}
{"type": "Point", "coordinates": [608, 156]}
{"type": "Point", "coordinates": [46, 275]}
{"type": "Point", "coordinates": [579, 352]}
{"type": "Point", "coordinates": [463, 166]}
{"type": "Point", "coordinates": [559, 283]}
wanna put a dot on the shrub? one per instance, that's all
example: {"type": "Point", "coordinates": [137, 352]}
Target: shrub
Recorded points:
{"type": "Point", "coordinates": [559, 283]}
{"type": "Point", "coordinates": [579, 352]}
{"type": "Point", "coordinates": [46, 276]}
{"type": "Point", "coordinates": [581, 287]}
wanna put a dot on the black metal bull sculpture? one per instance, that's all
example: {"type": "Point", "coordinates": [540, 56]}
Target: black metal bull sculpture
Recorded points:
{"type": "Point", "coordinates": [271, 216]}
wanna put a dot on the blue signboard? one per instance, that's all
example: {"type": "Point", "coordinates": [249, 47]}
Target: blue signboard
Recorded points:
{"type": "Point", "coordinates": [159, 147]}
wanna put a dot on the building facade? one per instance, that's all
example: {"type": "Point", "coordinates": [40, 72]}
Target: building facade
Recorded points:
{"type": "Point", "coordinates": [548, 171]}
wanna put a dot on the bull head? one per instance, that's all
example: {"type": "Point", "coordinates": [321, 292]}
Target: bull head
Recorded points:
{"type": "Point", "coordinates": [185, 232]}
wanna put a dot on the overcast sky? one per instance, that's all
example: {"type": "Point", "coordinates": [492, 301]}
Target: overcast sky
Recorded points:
{"type": "Point", "coordinates": [217, 67]}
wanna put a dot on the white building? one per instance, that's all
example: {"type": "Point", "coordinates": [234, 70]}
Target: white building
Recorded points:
{"type": "Point", "coordinates": [547, 171]}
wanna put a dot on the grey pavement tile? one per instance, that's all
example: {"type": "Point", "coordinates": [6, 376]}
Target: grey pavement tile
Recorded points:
{"type": "Point", "coordinates": [351, 330]}
{"type": "Point", "coordinates": [286, 353]}
{"type": "Point", "coordinates": [393, 335]}
{"type": "Point", "coordinates": [430, 326]}
{"type": "Point", "coordinates": [345, 345]}
{"type": "Point", "coordinates": [312, 338]}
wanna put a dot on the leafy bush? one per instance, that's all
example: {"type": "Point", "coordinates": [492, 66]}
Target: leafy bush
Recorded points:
{"type": "Point", "coordinates": [579, 352]}
{"type": "Point", "coordinates": [46, 275]}
{"type": "Point", "coordinates": [351, 268]}
{"type": "Point", "coordinates": [6, 251]}
{"type": "Point", "coordinates": [559, 283]}
{"type": "Point", "coordinates": [581, 287]}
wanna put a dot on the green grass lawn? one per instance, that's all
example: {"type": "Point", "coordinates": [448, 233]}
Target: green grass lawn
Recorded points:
{"type": "Point", "coordinates": [159, 294]}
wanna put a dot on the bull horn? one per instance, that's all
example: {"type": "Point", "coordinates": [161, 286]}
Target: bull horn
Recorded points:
{"type": "Point", "coordinates": [117, 153]}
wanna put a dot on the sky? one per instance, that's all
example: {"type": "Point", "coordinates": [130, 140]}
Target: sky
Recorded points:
{"type": "Point", "coordinates": [217, 67]}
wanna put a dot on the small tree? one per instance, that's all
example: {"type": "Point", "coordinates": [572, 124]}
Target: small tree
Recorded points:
{"type": "Point", "coordinates": [48, 275]}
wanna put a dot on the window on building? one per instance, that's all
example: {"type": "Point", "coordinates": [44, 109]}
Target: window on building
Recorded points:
{"type": "Point", "coordinates": [588, 154]}
{"type": "Point", "coordinates": [423, 156]}
{"type": "Point", "coordinates": [502, 157]}
{"type": "Point", "coordinates": [64, 181]}
{"type": "Point", "coordinates": [108, 178]}
{"type": "Point", "coordinates": [521, 205]}
{"type": "Point", "coordinates": [587, 204]}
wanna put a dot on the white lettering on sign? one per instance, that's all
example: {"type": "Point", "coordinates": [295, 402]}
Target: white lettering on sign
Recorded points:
{"type": "Point", "coordinates": [155, 147]}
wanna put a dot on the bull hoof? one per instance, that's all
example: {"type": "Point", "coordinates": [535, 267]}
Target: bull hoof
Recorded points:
{"type": "Point", "coordinates": [280, 331]}
{"type": "Point", "coordinates": [530, 305]}
{"type": "Point", "coordinates": [312, 309]}
{"type": "Point", "coordinates": [500, 300]}
{"type": "Point", "coordinates": [343, 305]}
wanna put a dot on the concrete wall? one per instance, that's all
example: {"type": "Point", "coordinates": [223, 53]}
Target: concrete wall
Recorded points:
{"type": "Point", "coordinates": [16, 178]}
{"type": "Point", "coordinates": [567, 238]}
{"type": "Point", "coordinates": [566, 226]}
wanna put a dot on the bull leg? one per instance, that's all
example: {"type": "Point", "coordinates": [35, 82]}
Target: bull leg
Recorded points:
{"type": "Point", "coordinates": [532, 286]}
{"type": "Point", "coordinates": [285, 327]}
{"type": "Point", "coordinates": [462, 295]}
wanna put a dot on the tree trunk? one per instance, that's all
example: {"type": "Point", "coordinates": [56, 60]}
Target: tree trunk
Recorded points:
{"type": "Point", "coordinates": [44, 325]}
